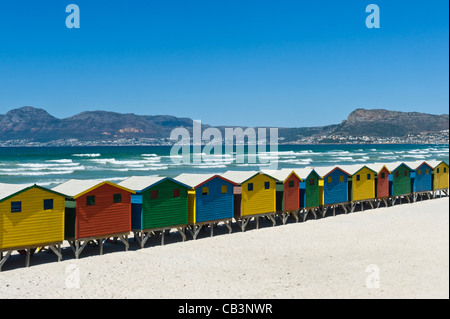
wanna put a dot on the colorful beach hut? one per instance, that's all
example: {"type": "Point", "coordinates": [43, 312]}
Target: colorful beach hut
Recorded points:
{"type": "Point", "coordinates": [423, 179]}
{"type": "Point", "coordinates": [287, 192]}
{"type": "Point", "coordinates": [383, 182]}
{"type": "Point", "coordinates": [30, 217]}
{"type": "Point", "coordinates": [159, 205]}
{"type": "Point", "coordinates": [335, 185]}
{"type": "Point", "coordinates": [211, 201]}
{"type": "Point", "coordinates": [335, 188]}
{"type": "Point", "coordinates": [95, 210]}
{"type": "Point", "coordinates": [361, 185]}
{"type": "Point", "coordinates": [311, 189]}
{"type": "Point", "coordinates": [440, 177]}
{"type": "Point", "coordinates": [402, 182]}
{"type": "Point", "coordinates": [310, 192]}
{"type": "Point", "coordinates": [254, 196]}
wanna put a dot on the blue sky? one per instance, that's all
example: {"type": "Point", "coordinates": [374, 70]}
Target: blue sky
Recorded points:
{"type": "Point", "coordinates": [259, 63]}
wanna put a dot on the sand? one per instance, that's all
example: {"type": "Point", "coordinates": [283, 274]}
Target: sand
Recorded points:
{"type": "Point", "coordinates": [395, 252]}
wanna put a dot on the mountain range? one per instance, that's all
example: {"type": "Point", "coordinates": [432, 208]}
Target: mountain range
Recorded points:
{"type": "Point", "coordinates": [36, 124]}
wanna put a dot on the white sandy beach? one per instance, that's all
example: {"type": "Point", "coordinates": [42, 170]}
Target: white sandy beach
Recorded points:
{"type": "Point", "coordinates": [325, 258]}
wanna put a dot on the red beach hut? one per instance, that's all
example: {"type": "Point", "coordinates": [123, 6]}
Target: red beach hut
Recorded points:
{"type": "Point", "coordinates": [95, 210]}
{"type": "Point", "coordinates": [287, 192]}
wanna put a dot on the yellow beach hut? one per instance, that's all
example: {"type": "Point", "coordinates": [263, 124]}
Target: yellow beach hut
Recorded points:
{"type": "Point", "coordinates": [30, 217]}
{"type": "Point", "coordinates": [362, 185]}
{"type": "Point", "coordinates": [440, 176]}
{"type": "Point", "coordinates": [254, 196]}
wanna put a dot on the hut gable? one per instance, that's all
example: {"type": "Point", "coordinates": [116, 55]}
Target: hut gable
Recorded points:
{"type": "Point", "coordinates": [140, 183]}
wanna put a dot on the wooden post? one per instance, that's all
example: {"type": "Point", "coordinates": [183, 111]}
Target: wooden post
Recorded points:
{"type": "Point", "coordinates": [100, 243]}
{"type": "Point", "coordinates": [56, 251]}
{"type": "Point", "coordinates": [228, 224]}
{"type": "Point", "coordinates": [77, 245]}
{"type": "Point", "coordinates": [4, 259]}
{"type": "Point", "coordinates": [285, 216]}
{"type": "Point", "coordinates": [323, 212]}
{"type": "Point", "coordinates": [124, 240]}
{"type": "Point", "coordinates": [273, 220]}
{"type": "Point", "coordinates": [144, 240]}
{"type": "Point", "coordinates": [28, 257]}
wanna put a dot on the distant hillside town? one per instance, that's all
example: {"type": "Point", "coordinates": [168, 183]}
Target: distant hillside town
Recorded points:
{"type": "Point", "coordinates": [29, 126]}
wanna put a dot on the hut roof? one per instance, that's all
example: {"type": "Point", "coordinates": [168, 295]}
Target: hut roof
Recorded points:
{"type": "Point", "coordinates": [196, 180]}
{"type": "Point", "coordinates": [303, 173]}
{"type": "Point", "coordinates": [434, 163]}
{"type": "Point", "coordinates": [407, 164]}
{"type": "Point", "coordinates": [193, 180]}
{"type": "Point", "coordinates": [280, 175]}
{"type": "Point", "coordinates": [9, 190]}
{"type": "Point", "coordinates": [326, 170]}
{"type": "Point", "coordinates": [354, 169]}
{"type": "Point", "coordinates": [377, 167]}
{"type": "Point", "coordinates": [240, 177]}
{"type": "Point", "coordinates": [390, 166]}
{"type": "Point", "coordinates": [139, 183]}
{"type": "Point", "coordinates": [416, 164]}
{"type": "Point", "coordinates": [75, 188]}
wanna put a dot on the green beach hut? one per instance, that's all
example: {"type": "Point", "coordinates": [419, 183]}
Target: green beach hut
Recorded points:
{"type": "Point", "coordinates": [402, 181]}
{"type": "Point", "coordinates": [311, 191]}
{"type": "Point", "coordinates": [159, 205]}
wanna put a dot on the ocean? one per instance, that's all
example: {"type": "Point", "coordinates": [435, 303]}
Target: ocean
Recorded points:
{"type": "Point", "coordinates": [49, 166]}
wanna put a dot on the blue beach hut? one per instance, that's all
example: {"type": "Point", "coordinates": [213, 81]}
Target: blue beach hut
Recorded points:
{"type": "Point", "coordinates": [335, 185]}
{"type": "Point", "coordinates": [423, 177]}
{"type": "Point", "coordinates": [211, 200]}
